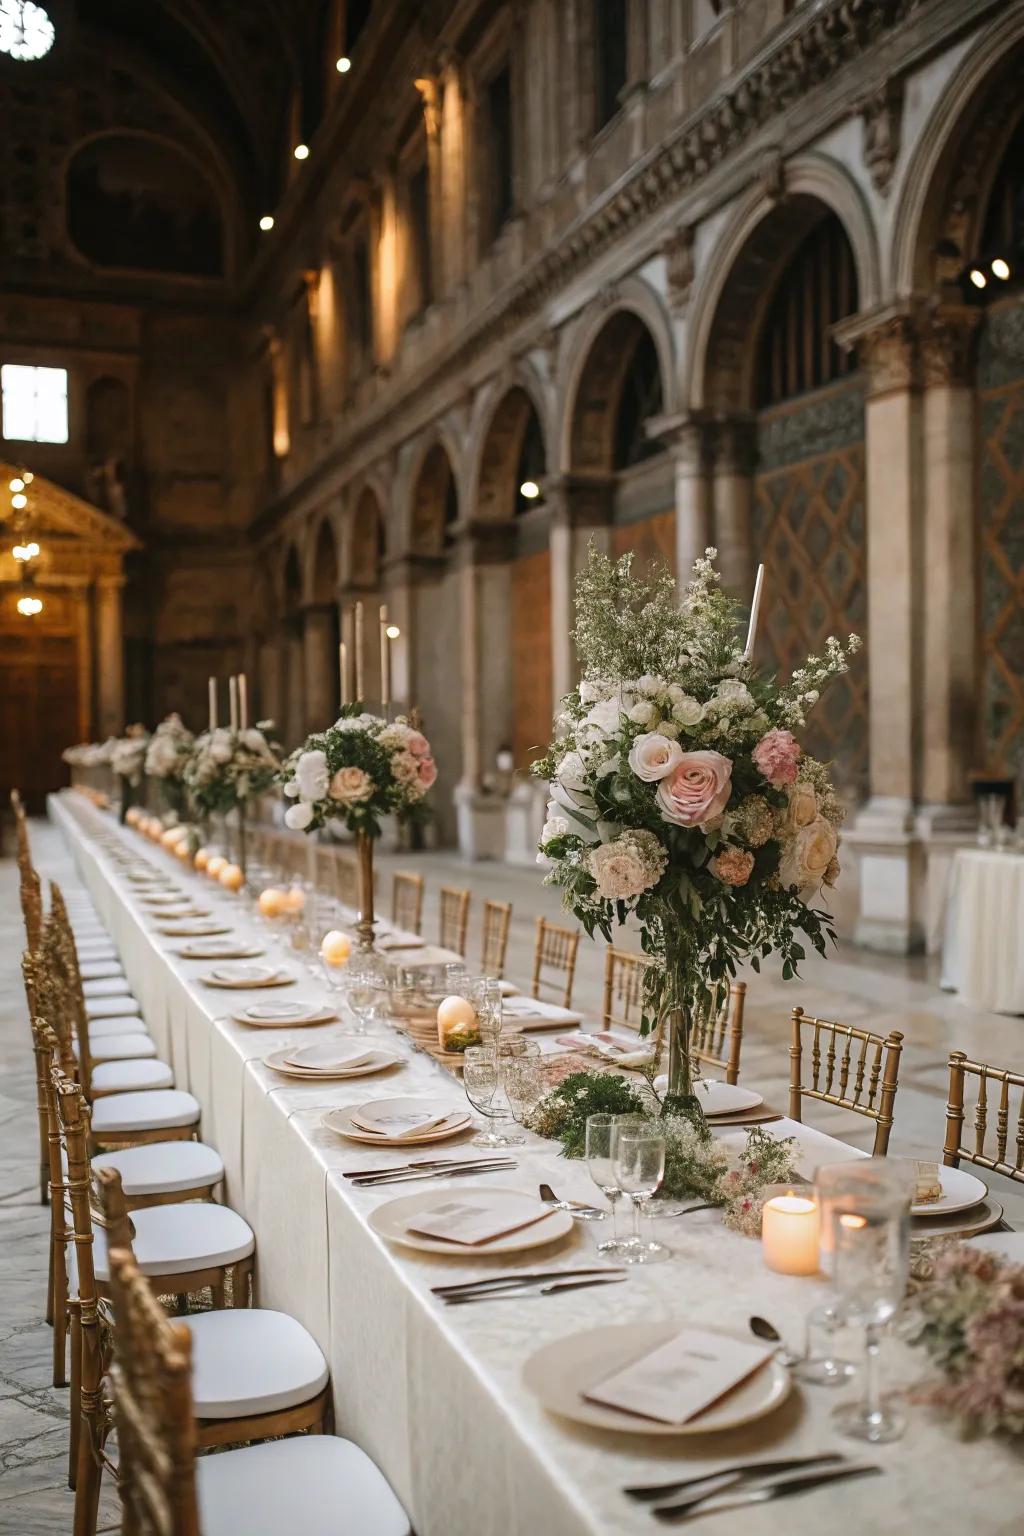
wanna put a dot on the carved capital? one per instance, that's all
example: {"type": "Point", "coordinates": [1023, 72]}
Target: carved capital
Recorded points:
{"type": "Point", "coordinates": [771, 175]}
{"type": "Point", "coordinates": [430, 94]}
{"type": "Point", "coordinates": [680, 266]}
{"type": "Point", "coordinates": [948, 336]}
{"type": "Point", "coordinates": [886, 344]}
{"type": "Point", "coordinates": [882, 113]}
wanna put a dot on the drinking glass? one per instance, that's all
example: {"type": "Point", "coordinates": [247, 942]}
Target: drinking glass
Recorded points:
{"type": "Point", "coordinates": [485, 995]}
{"type": "Point", "coordinates": [638, 1154]}
{"type": "Point", "coordinates": [601, 1167]}
{"type": "Point", "coordinates": [869, 1243]}
{"type": "Point", "coordinates": [481, 1078]}
{"type": "Point", "coordinates": [362, 980]}
{"type": "Point", "coordinates": [523, 1078]}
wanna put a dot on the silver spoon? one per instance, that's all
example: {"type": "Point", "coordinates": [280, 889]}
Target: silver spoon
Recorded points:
{"type": "Point", "coordinates": [763, 1329]}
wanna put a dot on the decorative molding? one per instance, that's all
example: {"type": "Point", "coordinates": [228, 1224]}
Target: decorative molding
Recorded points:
{"type": "Point", "coordinates": [681, 267]}
{"type": "Point", "coordinates": [886, 343]}
{"type": "Point", "coordinates": [771, 175]}
{"type": "Point", "coordinates": [882, 113]}
{"type": "Point", "coordinates": [948, 337]}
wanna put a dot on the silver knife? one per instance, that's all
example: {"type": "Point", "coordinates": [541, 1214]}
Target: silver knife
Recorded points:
{"type": "Point", "coordinates": [524, 1277]}
{"type": "Point", "coordinates": [655, 1493]}
{"type": "Point", "coordinates": [424, 1162]}
{"type": "Point", "coordinates": [531, 1290]}
{"type": "Point", "coordinates": [440, 1173]}
{"type": "Point", "coordinates": [800, 1482]}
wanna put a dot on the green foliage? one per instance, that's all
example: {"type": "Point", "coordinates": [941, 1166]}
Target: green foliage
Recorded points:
{"type": "Point", "coordinates": [562, 1115]}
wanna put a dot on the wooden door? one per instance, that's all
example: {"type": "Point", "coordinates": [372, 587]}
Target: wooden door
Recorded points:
{"type": "Point", "coordinates": [38, 711]}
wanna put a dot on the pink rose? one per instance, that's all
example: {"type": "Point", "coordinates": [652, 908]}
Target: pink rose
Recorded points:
{"type": "Point", "coordinates": [350, 786]}
{"type": "Point", "coordinates": [427, 770]}
{"type": "Point", "coordinates": [697, 789]}
{"type": "Point", "coordinates": [417, 744]}
{"type": "Point", "coordinates": [776, 756]}
{"type": "Point", "coordinates": [733, 866]}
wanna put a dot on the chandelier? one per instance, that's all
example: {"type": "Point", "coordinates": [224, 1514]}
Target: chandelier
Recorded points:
{"type": "Point", "coordinates": [26, 31]}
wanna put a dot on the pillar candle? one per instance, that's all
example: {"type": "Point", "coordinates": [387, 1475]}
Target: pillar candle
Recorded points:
{"type": "Point", "coordinates": [789, 1234]}
{"type": "Point", "coordinates": [755, 606]}
{"type": "Point", "coordinates": [343, 670]}
{"type": "Point", "coordinates": [385, 659]}
{"type": "Point", "coordinates": [243, 702]}
{"type": "Point", "coordinates": [213, 703]}
{"type": "Point", "coordinates": [233, 702]}
{"type": "Point", "coordinates": [359, 652]}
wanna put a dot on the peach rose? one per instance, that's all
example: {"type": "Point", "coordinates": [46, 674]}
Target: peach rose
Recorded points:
{"type": "Point", "coordinates": [654, 756]}
{"type": "Point", "coordinates": [417, 744]}
{"type": "Point", "coordinates": [350, 786]}
{"type": "Point", "coordinates": [697, 789]}
{"type": "Point", "coordinates": [733, 866]}
{"type": "Point", "coordinates": [427, 770]}
{"type": "Point", "coordinates": [806, 859]}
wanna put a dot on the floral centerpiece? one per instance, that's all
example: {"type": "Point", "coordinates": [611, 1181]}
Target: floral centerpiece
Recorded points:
{"type": "Point", "coordinates": [228, 768]}
{"type": "Point", "coordinates": [167, 755]}
{"type": "Point", "coordinates": [357, 771]}
{"type": "Point", "coordinates": [680, 794]}
{"type": "Point", "coordinates": [128, 755]}
{"type": "Point", "coordinates": [90, 754]}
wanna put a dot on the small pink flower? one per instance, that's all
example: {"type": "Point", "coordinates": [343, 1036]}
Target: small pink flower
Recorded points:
{"type": "Point", "coordinates": [427, 771]}
{"type": "Point", "coordinates": [733, 866]}
{"type": "Point", "coordinates": [776, 756]}
{"type": "Point", "coordinates": [417, 744]}
{"type": "Point", "coordinates": [697, 789]}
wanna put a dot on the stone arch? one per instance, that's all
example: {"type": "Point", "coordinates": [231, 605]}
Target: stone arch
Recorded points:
{"type": "Point", "coordinates": [323, 567]}
{"type": "Point", "coordinates": [736, 286]}
{"type": "Point", "coordinates": [292, 587]}
{"type": "Point", "coordinates": [367, 544]}
{"type": "Point", "coordinates": [434, 501]}
{"type": "Point", "coordinates": [513, 448]}
{"type": "Point", "coordinates": [952, 170]}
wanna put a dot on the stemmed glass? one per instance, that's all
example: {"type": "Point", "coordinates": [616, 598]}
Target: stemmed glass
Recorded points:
{"type": "Point", "coordinates": [869, 1241]}
{"type": "Point", "coordinates": [601, 1167]}
{"type": "Point", "coordinates": [522, 1076]}
{"type": "Point", "coordinates": [638, 1155]}
{"type": "Point", "coordinates": [481, 1078]}
{"type": "Point", "coordinates": [361, 981]}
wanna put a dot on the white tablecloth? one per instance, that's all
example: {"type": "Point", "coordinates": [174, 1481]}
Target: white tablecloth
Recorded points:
{"type": "Point", "coordinates": [983, 949]}
{"type": "Point", "coordinates": [436, 1396]}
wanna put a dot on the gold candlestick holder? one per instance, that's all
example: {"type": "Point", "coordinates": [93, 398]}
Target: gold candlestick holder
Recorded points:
{"type": "Point", "coordinates": [365, 923]}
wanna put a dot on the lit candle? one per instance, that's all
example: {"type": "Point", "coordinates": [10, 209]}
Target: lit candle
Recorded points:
{"type": "Point", "coordinates": [748, 649]}
{"type": "Point", "coordinates": [271, 902]}
{"type": "Point", "coordinates": [215, 865]}
{"type": "Point", "coordinates": [359, 652]}
{"type": "Point", "coordinates": [343, 670]}
{"type": "Point", "coordinates": [335, 947]}
{"type": "Point", "coordinates": [243, 702]}
{"type": "Point", "coordinates": [789, 1234]}
{"type": "Point", "coordinates": [213, 703]}
{"type": "Point", "coordinates": [385, 659]}
{"type": "Point", "coordinates": [201, 859]}
{"type": "Point", "coordinates": [231, 877]}
{"type": "Point", "coordinates": [456, 1016]}
{"type": "Point", "coordinates": [233, 702]}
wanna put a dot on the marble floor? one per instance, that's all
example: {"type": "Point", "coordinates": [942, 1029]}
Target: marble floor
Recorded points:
{"type": "Point", "coordinates": [852, 986]}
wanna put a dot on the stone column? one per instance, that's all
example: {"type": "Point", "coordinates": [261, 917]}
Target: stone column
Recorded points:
{"type": "Point", "coordinates": [84, 624]}
{"type": "Point", "coordinates": [269, 698]}
{"type": "Point", "coordinates": [293, 708]}
{"type": "Point", "coordinates": [320, 666]}
{"type": "Point", "coordinates": [691, 441]}
{"type": "Point", "coordinates": [580, 512]}
{"type": "Point", "coordinates": [732, 495]}
{"type": "Point", "coordinates": [110, 656]}
{"type": "Point", "coordinates": [486, 671]}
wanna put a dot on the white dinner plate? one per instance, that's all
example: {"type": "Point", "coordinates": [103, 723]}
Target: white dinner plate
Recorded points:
{"type": "Point", "coordinates": [166, 898]}
{"type": "Point", "coordinates": [285, 1015]}
{"type": "Point", "coordinates": [340, 1121]}
{"type": "Point", "coordinates": [379, 1116]}
{"type": "Point", "coordinates": [181, 914]}
{"type": "Point", "coordinates": [277, 1060]}
{"type": "Point", "coordinates": [1009, 1245]}
{"type": "Point", "coordinates": [717, 1098]}
{"type": "Point", "coordinates": [392, 1220]}
{"type": "Point", "coordinates": [192, 930]}
{"type": "Point", "coordinates": [960, 1190]}
{"type": "Point", "coordinates": [219, 949]}
{"type": "Point", "coordinates": [247, 977]}
{"type": "Point", "coordinates": [559, 1373]}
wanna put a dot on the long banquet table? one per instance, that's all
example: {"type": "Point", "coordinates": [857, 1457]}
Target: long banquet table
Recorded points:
{"type": "Point", "coordinates": [435, 1395]}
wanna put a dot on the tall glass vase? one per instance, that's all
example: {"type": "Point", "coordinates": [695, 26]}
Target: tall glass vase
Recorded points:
{"type": "Point", "coordinates": [676, 1023]}
{"type": "Point", "coordinates": [364, 926]}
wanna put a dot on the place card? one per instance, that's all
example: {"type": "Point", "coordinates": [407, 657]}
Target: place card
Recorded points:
{"type": "Point", "coordinates": [681, 1378]}
{"type": "Point", "coordinates": [473, 1222]}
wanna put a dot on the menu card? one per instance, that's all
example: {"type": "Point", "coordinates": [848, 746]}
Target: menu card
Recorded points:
{"type": "Point", "coordinates": [682, 1377]}
{"type": "Point", "coordinates": [471, 1222]}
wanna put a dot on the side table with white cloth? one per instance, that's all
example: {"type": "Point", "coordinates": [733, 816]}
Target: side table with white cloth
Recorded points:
{"type": "Point", "coordinates": [983, 948]}
{"type": "Point", "coordinates": [436, 1395]}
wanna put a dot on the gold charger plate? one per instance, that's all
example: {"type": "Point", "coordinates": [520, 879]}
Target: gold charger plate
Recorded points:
{"type": "Point", "coordinates": [390, 1221]}
{"type": "Point", "coordinates": [981, 1218]}
{"type": "Point", "coordinates": [248, 986]}
{"type": "Point", "coordinates": [382, 1061]}
{"type": "Point", "coordinates": [560, 1372]}
{"type": "Point", "coordinates": [340, 1121]}
{"type": "Point", "coordinates": [193, 930]}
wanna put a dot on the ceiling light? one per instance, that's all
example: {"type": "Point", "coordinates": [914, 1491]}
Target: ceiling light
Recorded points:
{"type": "Point", "coordinates": [343, 65]}
{"type": "Point", "coordinates": [530, 489]}
{"type": "Point", "coordinates": [33, 549]}
{"type": "Point", "coordinates": [26, 32]}
{"type": "Point", "coordinates": [19, 500]}
{"type": "Point", "coordinates": [267, 222]}
{"type": "Point", "coordinates": [301, 151]}
{"type": "Point", "coordinates": [17, 484]}
{"type": "Point", "coordinates": [1001, 268]}
{"type": "Point", "coordinates": [392, 631]}
{"type": "Point", "coordinates": [28, 477]}
{"type": "Point", "coordinates": [978, 277]}
{"type": "Point", "coordinates": [28, 606]}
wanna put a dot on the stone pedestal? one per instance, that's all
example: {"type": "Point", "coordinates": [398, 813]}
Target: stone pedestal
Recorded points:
{"type": "Point", "coordinates": [480, 820]}
{"type": "Point", "coordinates": [524, 818]}
{"type": "Point", "coordinates": [892, 872]}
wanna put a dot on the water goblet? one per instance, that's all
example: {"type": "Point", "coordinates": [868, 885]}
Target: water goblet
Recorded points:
{"type": "Point", "coordinates": [601, 1167]}
{"type": "Point", "coordinates": [638, 1155]}
{"type": "Point", "coordinates": [362, 982]}
{"type": "Point", "coordinates": [481, 1079]}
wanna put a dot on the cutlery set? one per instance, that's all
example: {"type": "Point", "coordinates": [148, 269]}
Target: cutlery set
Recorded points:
{"type": "Point", "coordinates": [744, 1484]}
{"type": "Point", "coordinates": [411, 1172]}
{"type": "Point", "coordinates": [541, 1282]}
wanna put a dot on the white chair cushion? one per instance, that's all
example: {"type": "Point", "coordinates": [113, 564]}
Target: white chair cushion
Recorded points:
{"type": "Point", "coordinates": [119, 1047]}
{"type": "Point", "coordinates": [100, 970]}
{"type": "Point", "coordinates": [88, 928]}
{"type": "Point", "coordinates": [250, 1361]}
{"type": "Point", "coordinates": [164, 1167]}
{"type": "Point", "coordinates": [105, 986]}
{"type": "Point", "coordinates": [174, 1239]}
{"type": "Point", "coordinates": [111, 1007]}
{"type": "Point", "coordinates": [99, 1029]}
{"type": "Point", "coordinates": [166, 1108]}
{"type": "Point", "coordinates": [316, 1484]}
{"type": "Point", "coordinates": [90, 953]}
{"type": "Point", "coordinates": [132, 1076]}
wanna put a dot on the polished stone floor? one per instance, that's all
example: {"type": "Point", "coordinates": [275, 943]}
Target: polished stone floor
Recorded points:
{"type": "Point", "coordinates": [853, 987]}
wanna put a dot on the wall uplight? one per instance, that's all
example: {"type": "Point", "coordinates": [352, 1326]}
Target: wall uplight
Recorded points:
{"type": "Point", "coordinates": [393, 632]}
{"type": "Point", "coordinates": [343, 65]}
{"type": "Point", "coordinates": [267, 222]}
{"type": "Point", "coordinates": [28, 477]}
{"type": "Point", "coordinates": [530, 489]}
{"type": "Point", "coordinates": [17, 484]}
{"type": "Point", "coordinates": [301, 151]}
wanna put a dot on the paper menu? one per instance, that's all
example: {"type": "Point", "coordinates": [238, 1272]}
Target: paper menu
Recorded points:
{"type": "Point", "coordinates": [682, 1377]}
{"type": "Point", "coordinates": [470, 1222]}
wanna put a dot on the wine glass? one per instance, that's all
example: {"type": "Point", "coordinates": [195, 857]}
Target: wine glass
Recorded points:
{"type": "Point", "coordinates": [869, 1242]}
{"type": "Point", "coordinates": [481, 1078]}
{"type": "Point", "coordinates": [638, 1155]}
{"type": "Point", "coordinates": [601, 1167]}
{"type": "Point", "coordinates": [484, 994]}
{"type": "Point", "coordinates": [361, 981]}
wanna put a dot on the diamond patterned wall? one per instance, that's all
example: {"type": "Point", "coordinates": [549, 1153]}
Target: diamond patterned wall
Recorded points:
{"type": "Point", "coordinates": [809, 529]}
{"type": "Point", "coordinates": [1001, 541]}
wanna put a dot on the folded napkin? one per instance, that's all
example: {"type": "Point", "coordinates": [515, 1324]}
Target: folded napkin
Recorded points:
{"type": "Point", "coordinates": [398, 1127]}
{"type": "Point", "coordinates": [470, 1223]}
{"type": "Point", "coordinates": [327, 1055]}
{"type": "Point", "coordinates": [682, 1377]}
{"type": "Point", "coordinates": [609, 1046]}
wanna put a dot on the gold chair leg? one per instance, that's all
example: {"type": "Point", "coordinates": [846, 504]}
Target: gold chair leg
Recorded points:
{"type": "Point", "coordinates": [49, 1289]}
{"type": "Point", "coordinates": [60, 1322]}
{"type": "Point", "coordinates": [75, 1418]}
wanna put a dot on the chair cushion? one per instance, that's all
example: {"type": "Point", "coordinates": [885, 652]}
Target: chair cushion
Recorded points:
{"type": "Point", "coordinates": [89, 953]}
{"type": "Point", "coordinates": [99, 1029]}
{"type": "Point", "coordinates": [100, 970]}
{"type": "Point", "coordinates": [119, 1047]}
{"type": "Point", "coordinates": [173, 1239]}
{"type": "Point", "coordinates": [251, 1361]}
{"type": "Point", "coordinates": [104, 986]}
{"type": "Point", "coordinates": [131, 1076]}
{"type": "Point", "coordinates": [162, 1108]}
{"type": "Point", "coordinates": [164, 1167]}
{"type": "Point", "coordinates": [317, 1484]}
{"type": "Point", "coordinates": [111, 1007]}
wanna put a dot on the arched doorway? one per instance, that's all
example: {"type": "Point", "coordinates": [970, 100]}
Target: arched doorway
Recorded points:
{"type": "Point", "coordinates": [293, 721]}
{"type": "Point", "coordinates": [789, 485]}
{"type": "Point", "coordinates": [436, 642]}
{"type": "Point", "coordinates": [363, 595]}
{"type": "Point", "coordinates": [322, 632]}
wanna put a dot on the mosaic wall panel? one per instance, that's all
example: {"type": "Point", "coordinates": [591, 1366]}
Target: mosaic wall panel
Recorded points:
{"type": "Point", "coordinates": [809, 528]}
{"type": "Point", "coordinates": [531, 655]}
{"type": "Point", "coordinates": [652, 540]}
{"type": "Point", "coordinates": [1001, 540]}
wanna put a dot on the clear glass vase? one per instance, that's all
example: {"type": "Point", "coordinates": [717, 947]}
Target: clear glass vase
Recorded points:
{"type": "Point", "coordinates": [676, 1023]}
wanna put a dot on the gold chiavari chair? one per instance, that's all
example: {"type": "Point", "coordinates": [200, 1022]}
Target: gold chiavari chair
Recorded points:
{"type": "Point", "coordinates": [494, 937]}
{"type": "Point", "coordinates": [998, 1103]}
{"type": "Point", "coordinates": [716, 1034]}
{"type": "Point", "coordinates": [850, 1068]}
{"type": "Point", "coordinates": [453, 908]}
{"type": "Point", "coordinates": [555, 950]}
{"type": "Point", "coordinates": [407, 901]}
{"type": "Point", "coordinates": [266, 1486]}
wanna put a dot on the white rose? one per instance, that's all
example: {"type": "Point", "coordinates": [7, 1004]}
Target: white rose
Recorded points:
{"type": "Point", "coordinates": [572, 771]}
{"type": "Point", "coordinates": [220, 746]}
{"type": "Point", "coordinates": [653, 756]}
{"type": "Point", "coordinates": [669, 728]}
{"type": "Point", "coordinates": [688, 710]}
{"type": "Point", "coordinates": [291, 789]}
{"type": "Point", "coordinates": [555, 826]}
{"type": "Point", "coordinates": [299, 816]}
{"type": "Point", "coordinates": [735, 694]}
{"type": "Point", "coordinates": [675, 694]}
{"type": "Point", "coordinates": [591, 692]}
{"type": "Point", "coordinates": [651, 686]}
{"type": "Point", "coordinates": [253, 739]}
{"type": "Point", "coordinates": [311, 775]}
{"type": "Point", "coordinates": [807, 856]}
{"type": "Point", "coordinates": [603, 719]}
{"type": "Point", "coordinates": [644, 713]}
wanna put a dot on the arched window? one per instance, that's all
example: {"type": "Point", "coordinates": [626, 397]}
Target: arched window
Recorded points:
{"type": "Point", "coordinates": [1004, 221]}
{"type": "Point", "coordinates": [796, 352]}
{"type": "Point", "coordinates": [641, 398]}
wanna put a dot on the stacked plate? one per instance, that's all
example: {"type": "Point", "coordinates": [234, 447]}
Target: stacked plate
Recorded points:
{"type": "Point", "coordinates": [284, 1015]}
{"type": "Point", "coordinates": [398, 1122]}
{"type": "Point", "coordinates": [196, 929]}
{"type": "Point", "coordinates": [330, 1058]}
{"type": "Point", "coordinates": [244, 977]}
{"type": "Point", "coordinates": [963, 1208]}
{"type": "Point", "coordinates": [535, 1224]}
{"type": "Point", "coordinates": [219, 949]}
